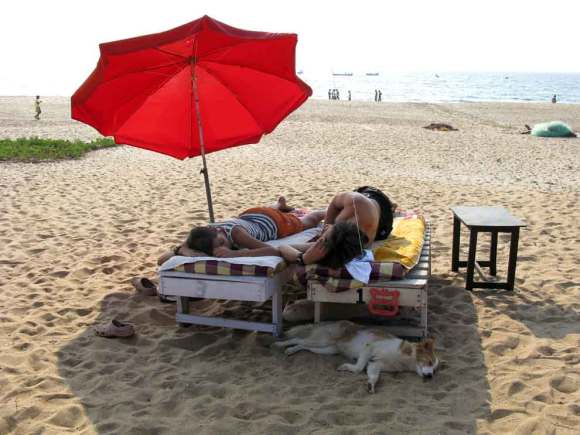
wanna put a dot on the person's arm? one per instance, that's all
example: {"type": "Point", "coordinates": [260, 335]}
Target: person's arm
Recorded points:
{"type": "Point", "coordinates": [289, 253]}
{"type": "Point", "coordinates": [224, 252]}
{"type": "Point", "coordinates": [251, 246]}
{"type": "Point", "coordinates": [340, 208]}
{"type": "Point", "coordinates": [183, 250]}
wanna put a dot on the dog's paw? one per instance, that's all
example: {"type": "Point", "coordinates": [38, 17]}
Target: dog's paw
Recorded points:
{"type": "Point", "coordinates": [291, 350]}
{"type": "Point", "coordinates": [371, 388]}
{"type": "Point", "coordinates": [345, 368]}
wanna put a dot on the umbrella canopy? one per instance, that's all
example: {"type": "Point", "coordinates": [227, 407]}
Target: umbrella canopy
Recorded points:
{"type": "Point", "coordinates": [143, 91]}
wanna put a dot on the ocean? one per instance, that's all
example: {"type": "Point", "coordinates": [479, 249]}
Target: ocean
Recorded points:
{"type": "Point", "coordinates": [450, 87]}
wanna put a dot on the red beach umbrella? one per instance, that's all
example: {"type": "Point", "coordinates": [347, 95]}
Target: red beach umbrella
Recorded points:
{"type": "Point", "coordinates": [192, 90]}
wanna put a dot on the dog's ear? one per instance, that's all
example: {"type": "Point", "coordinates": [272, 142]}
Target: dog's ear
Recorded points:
{"type": "Point", "coordinates": [429, 344]}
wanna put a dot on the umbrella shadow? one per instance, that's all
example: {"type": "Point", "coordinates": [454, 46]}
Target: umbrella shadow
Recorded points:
{"type": "Point", "coordinates": [168, 379]}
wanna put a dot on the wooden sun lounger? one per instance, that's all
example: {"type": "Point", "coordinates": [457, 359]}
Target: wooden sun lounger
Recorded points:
{"type": "Point", "coordinates": [185, 285]}
{"type": "Point", "coordinates": [239, 288]}
{"type": "Point", "coordinates": [412, 293]}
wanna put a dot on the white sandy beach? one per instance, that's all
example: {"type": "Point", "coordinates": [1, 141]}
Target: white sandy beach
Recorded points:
{"type": "Point", "coordinates": [74, 233]}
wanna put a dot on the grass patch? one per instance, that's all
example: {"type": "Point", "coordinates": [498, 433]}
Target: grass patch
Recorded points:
{"type": "Point", "coordinates": [33, 149]}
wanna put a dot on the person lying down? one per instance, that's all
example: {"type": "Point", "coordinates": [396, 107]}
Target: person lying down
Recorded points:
{"type": "Point", "coordinates": [245, 236]}
{"type": "Point", "coordinates": [353, 220]}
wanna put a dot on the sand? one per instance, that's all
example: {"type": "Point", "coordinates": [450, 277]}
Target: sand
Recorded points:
{"type": "Point", "coordinates": [73, 234]}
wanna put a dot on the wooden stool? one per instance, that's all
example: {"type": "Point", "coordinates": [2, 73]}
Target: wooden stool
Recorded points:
{"type": "Point", "coordinates": [491, 220]}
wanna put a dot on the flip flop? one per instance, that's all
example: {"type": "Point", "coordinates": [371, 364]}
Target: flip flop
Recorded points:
{"type": "Point", "coordinates": [115, 329]}
{"type": "Point", "coordinates": [144, 286]}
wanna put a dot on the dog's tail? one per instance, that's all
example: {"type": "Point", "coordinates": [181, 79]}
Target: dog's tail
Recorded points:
{"type": "Point", "coordinates": [300, 331]}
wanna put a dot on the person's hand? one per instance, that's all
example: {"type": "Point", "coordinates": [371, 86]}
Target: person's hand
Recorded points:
{"type": "Point", "coordinates": [166, 256]}
{"type": "Point", "coordinates": [289, 253]}
{"type": "Point", "coordinates": [316, 252]}
{"type": "Point", "coordinates": [185, 251]}
{"type": "Point", "coordinates": [223, 252]}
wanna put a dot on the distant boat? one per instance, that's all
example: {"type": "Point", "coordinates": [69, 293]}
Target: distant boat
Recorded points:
{"type": "Point", "coordinates": [347, 74]}
{"type": "Point", "coordinates": [372, 74]}
{"type": "Point", "coordinates": [300, 71]}
{"type": "Point", "coordinates": [437, 75]}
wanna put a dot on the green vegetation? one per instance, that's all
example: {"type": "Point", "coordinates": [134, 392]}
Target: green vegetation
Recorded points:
{"type": "Point", "coordinates": [34, 149]}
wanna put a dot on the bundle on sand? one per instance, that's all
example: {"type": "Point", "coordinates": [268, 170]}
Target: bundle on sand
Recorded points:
{"type": "Point", "coordinates": [552, 129]}
{"type": "Point", "coordinates": [440, 127]}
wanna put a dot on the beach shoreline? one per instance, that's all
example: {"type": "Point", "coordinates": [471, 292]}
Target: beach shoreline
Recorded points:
{"type": "Point", "coordinates": [74, 233]}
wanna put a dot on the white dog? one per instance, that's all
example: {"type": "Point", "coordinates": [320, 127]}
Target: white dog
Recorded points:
{"type": "Point", "coordinates": [370, 347]}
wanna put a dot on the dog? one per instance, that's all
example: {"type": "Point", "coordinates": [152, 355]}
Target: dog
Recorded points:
{"type": "Point", "coordinates": [369, 347]}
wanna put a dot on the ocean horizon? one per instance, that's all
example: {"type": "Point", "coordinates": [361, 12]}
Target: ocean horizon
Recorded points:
{"type": "Point", "coordinates": [448, 87]}
{"type": "Point", "coordinates": [434, 87]}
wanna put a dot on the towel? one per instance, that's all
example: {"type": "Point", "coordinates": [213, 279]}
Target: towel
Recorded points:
{"type": "Point", "coordinates": [360, 267]}
{"type": "Point", "coordinates": [265, 261]}
{"type": "Point", "coordinates": [404, 244]}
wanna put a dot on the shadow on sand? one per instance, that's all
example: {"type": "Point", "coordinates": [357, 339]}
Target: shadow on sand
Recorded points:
{"type": "Point", "coordinates": [199, 380]}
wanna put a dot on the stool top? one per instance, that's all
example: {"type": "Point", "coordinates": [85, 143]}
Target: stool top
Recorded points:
{"type": "Point", "coordinates": [486, 217]}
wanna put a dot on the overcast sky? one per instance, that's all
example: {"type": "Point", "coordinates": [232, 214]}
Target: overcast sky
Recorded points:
{"type": "Point", "coordinates": [49, 47]}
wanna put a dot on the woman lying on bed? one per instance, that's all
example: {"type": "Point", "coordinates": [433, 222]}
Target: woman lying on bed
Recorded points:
{"type": "Point", "coordinates": [245, 236]}
{"type": "Point", "coordinates": [354, 220]}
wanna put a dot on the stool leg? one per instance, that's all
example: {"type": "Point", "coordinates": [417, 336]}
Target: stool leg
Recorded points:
{"type": "Point", "coordinates": [493, 255]}
{"type": "Point", "coordinates": [455, 248]}
{"type": "Point", "coordinates": [513, 259]}
{"type": "Point", "coordinates": [471, 259]}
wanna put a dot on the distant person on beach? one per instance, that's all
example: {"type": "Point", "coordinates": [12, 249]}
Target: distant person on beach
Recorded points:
{"type": "Point", "coordinates": [354, 220]}
{"type": "Point", "coordinates": [245, 236]}
{"type": "Point", "coordinates": [337, 94]}
{"type": "Point", "coordinates": [380, 96]}
{"type": "Point", "coordinates": [376, 97]}
{"type": "Point", "coordinates": [554, 100]}
{"type": "Point", "coordinates": [348, 95]}
{"type": "Point", "coordinates": [37, 107]}
{"type": "Point", "coordinates": [330, 94]}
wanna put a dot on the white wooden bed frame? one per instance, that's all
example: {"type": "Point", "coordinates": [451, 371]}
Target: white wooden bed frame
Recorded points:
{"type": "Point", "coordinates": [412, 293]}
{"type": "Point", "coordinates": [230, 287]}
{"type": "Point", "coordinates": [239, 288]}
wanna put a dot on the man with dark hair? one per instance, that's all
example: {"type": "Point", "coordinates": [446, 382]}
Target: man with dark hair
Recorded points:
{"type": "Point", "coordinates": [354, 220]}
{"type": "Point", "coordinates": [245, 236]}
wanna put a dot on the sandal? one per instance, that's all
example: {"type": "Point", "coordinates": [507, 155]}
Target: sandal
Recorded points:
{"type": "Point", "coordinates": [144, 286]}
{"type": "Point", "coordinates": [115, 329]}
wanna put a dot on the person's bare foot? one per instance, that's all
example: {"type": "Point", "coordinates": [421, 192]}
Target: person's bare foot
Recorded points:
{"type": "Point", "coordinates": [282, 206]}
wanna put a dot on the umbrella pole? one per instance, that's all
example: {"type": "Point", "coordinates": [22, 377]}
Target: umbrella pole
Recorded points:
{"type": "Point", "coordinates": [201, 144]}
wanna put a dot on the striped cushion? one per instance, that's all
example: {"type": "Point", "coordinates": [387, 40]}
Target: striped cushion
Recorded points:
{"type": "Point", "coordinates": [338, 280]}
{"type": "Point", "coordinates": [215, 267]}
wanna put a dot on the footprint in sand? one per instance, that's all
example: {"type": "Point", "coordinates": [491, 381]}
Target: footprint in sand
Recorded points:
{"type": "Point", "coordinates": [516, 387]}
{"type": "Point", "coordinates": [68, 417]}
{"type": "Point", "coordinates": [567, 384]}
{"type": "Point", "coordinates": [59, 273]}
{"type": "Point", "coordinates": [193, 343]}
